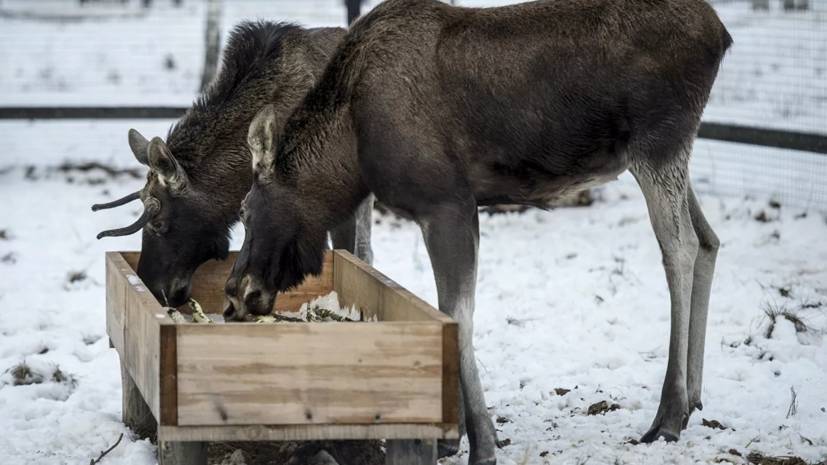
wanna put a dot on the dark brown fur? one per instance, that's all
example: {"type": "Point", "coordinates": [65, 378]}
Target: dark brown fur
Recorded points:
{"type": "Point", "coordinates": [520, 104]}
{"type": "Point", "coordinates": [265, 63]}
{"type": "Point", "coordinates": [437, 110]}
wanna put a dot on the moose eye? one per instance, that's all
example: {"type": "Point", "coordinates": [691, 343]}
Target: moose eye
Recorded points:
{"type": "Point", "coordinates": [157, 227]}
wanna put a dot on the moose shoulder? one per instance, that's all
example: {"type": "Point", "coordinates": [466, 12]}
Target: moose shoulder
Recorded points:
{"type": "Point", "coordinates": [199, 175]}
{"type": "Point", "coordinates": [438, 110]}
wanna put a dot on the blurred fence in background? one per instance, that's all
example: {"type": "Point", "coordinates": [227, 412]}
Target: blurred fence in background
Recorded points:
{"type": "Point", "coordinates": [774, 77]}
{"type": "Point", "coordinates": [121, 59]}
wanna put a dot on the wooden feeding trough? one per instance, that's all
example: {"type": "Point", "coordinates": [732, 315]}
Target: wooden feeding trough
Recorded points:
{"type": "Point", "coordinates": [395, 378]}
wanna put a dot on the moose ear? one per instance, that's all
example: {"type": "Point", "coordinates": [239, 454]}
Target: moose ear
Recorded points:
{"type": "Point", "coordinates": [164, 164]}
{"type": "Point", "coordinates": [138, 144]}
{"type": "Point", "coordinates": [261, 139]}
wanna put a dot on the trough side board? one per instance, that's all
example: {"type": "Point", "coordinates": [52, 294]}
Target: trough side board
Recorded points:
{"type": "Point", "coordinates": [308, 432]}
{"type": "Point", "coordinates": [394, 378]}
{"type": "Point", "coordinates": [143, 335]}
{"type": "Point", "coordinates": [359, 284]}
{"type": "Point", "coordinates": [309, 373]}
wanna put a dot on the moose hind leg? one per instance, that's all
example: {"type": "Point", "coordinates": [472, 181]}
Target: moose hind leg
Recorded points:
{"type": "Point", "coordinates": [364, 225]}
{"type": "Point", "coordinates": [451, 235]}
{"type": "Point", "coordinates": [701, 284]}
{"type": "Point", "coordinates": [666, 200]}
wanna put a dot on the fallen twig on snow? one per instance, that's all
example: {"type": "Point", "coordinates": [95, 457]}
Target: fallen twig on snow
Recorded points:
{"type": "Point", "coordinates": [793, 408]}
{"type": "Point", "coordinates": [104, 452]}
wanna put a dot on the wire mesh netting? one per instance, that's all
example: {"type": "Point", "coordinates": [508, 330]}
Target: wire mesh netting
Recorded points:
{"type": "Point", "coordinates": [776, 72]}
{"type": "Point", "coordinates": [113, 52]}
{"type": "Point", "coordinates": [788, 176]}
{"type": "Point", "coordinates": [775, 76]}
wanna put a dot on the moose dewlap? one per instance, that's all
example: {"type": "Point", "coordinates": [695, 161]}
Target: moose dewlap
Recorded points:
{"type": "Point", "coordinates": [392, 375]}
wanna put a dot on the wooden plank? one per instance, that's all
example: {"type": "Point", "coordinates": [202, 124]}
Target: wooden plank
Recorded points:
{"type": "Point", "coordinates": [168, 375]}
{"type": "Point", "coordinates": [115, 302]}
{"type": "Point", "coordinates": [209, 279]}
{"type": "Point", "coordinates": [307, 432]}
{"type": "Point", "coordinates": [399, 304]}
{"type": "Point", "coordinates": [141, 351]}
{"type": "Point", "coordinates": [131, 258]}
{"type": "Point", "coordinates": [359, 283]}
{"type": "Point", "coordinates": [310, 373]}
{"type": "Point", "coordinates": [355, 287]}
{"type": "Point", "coordinates": [450, 373]}
{"type": "Point", "coordinates": [141, 319]}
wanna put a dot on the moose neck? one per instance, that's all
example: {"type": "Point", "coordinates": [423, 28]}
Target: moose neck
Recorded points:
{"type": "Point", "coordinates": [219, 157]}
{"type": "Point", "coordinates": [323, 170]}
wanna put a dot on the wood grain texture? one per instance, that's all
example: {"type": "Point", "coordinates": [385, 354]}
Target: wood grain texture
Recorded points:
{"type": "Point", "coordinates": [134, 319]}
{"type": "Point", "coordinates": [395, 378]}
{"type": "Point", "coordinates": [116, 287]}
{"type": "Point", "coordinates": [357, 283]}
{"type": "Point", "coordinates": [307, 432]}
{"type": "Point", "coordinates": [141, 350]}
{"type": "Point", "coordinates": [209, 279]}
{"type": "Point", "coordinates": [356, 287]}
{"type": "Point", "coordinates": [168, 375]}
{"type": "Point", "coordinates": [310, 373]}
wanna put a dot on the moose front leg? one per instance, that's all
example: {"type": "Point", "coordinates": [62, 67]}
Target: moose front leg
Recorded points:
{"type": "Point", "coordinates": [667, 202]}
{"type": "Point", "coordinates": [354, 233]}
{"type": "Point", "coordinates": [451, 235]}
{"type": "Point", "coordinates": [364, 227]}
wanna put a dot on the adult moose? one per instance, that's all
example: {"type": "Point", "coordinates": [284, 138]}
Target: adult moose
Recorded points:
{"type": "Point", "coordinates": [199, 176]}
{"type": "Point", "coordinates": [437, 110]}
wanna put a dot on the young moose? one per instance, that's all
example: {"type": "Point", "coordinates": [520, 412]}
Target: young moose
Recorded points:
{"type": "Point", "coordinates": [438, 110]}
{"type": "Point", "coordinates": [199, 176]}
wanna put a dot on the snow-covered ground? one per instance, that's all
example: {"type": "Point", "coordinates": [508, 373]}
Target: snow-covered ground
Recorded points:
{"type": "Point", "coordinates": [572, 298]}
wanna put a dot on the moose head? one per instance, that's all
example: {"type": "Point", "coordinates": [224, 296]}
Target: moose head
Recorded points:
{"type": "Point", "coordinates": [182, 226]}
{"type": "Point", "coordinates": [283, 241]}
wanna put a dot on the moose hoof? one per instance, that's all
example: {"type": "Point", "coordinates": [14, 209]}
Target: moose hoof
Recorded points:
{"type": "Point", "coordinates": [656, 433]}
{"type": "Point", "coordinates": [447, 447]}
{"type": "Point", "coordinates": [667, 427]}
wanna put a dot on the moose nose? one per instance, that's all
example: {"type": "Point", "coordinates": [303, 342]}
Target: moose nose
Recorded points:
{"type": "Point", "coordinates": [177, 292]}
{"type": "Point", "coordinates": [254, 303]}
{"type": "Point", "coordinates": [178, 296]}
